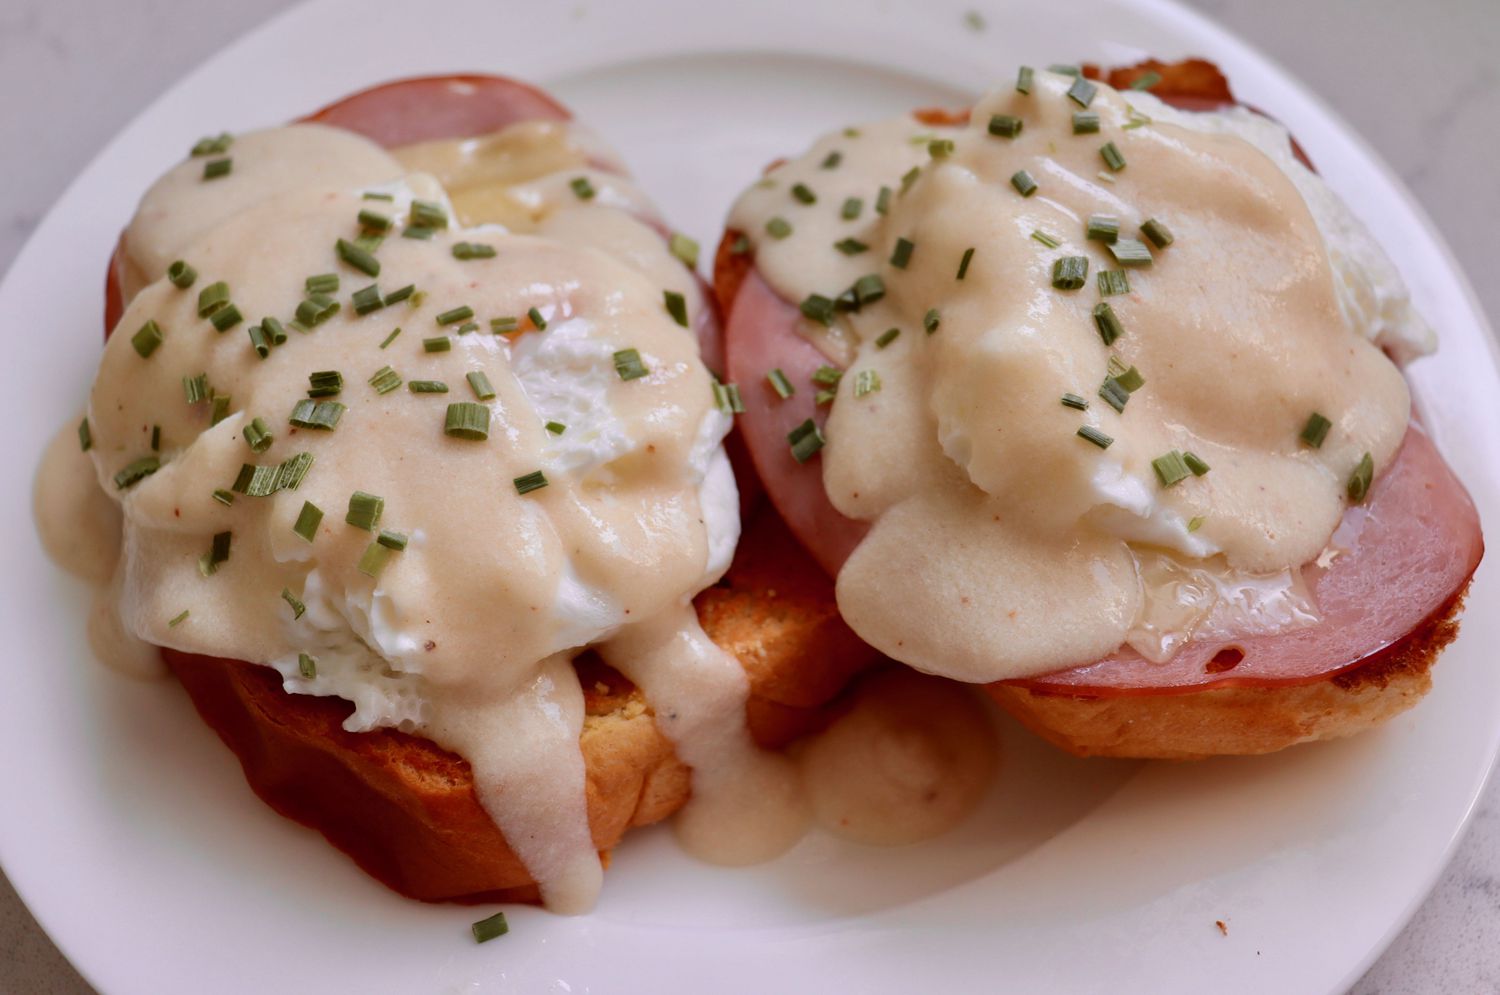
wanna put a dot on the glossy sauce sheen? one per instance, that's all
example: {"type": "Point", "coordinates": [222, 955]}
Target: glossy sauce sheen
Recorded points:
{"type": "Point", "coordinates": [1000, 544]}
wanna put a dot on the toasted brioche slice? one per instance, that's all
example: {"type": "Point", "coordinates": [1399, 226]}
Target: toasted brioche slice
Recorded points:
{"type": "Point", "coordinates": [406, 810]}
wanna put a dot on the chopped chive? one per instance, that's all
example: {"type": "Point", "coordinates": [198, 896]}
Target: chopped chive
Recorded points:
{"type": "Point", "coordinates": [827, 376]}
{"type": "Point", "coordinates": [832, 160]}
{"type": "Point", "coordinates": [359, 258]}
{"type": "Point", "coordinates": [135, 471]}
{"type": "Point", "coordinates": [307, 666]}
{"type": "Point", "coordinates": [321, 283]}
{"type": "Point", "coordinates": [212, 297]}
{"type": "Point", "coordinates": [1146, 80]}
{"type": "Point", "coordinates": [273, 330]}
{"type": "Point", "coordinates": [902, 253]}
{"type": "Point", "coordinates": [195, 389]}
{"type": "Point", "coordinates": [676, 306]}
{"type": "Point", "coordinates": [537, 321]}
{"type": "Point", "coordinates": [178, 620]}
{"type": "Point", "coordinates": [467, 420]}
{"type": "Point", "coordinates": [1359, 480]}
{"type": "Point", "coordinates": [374, 221]}
{"type": "Point", "coordinates": [451, 317]}
{"type": "Point", "coordinates": [1095, 436]}
{"type": "Point", "coordinates": [887, 337]}
{"type": "Point", "coordinates": [850, 246]}
{"type": "Point", "coordinates": [778, 227]}
{"type": "Point", "coordinates": [473, 250]}
{"type": "Point", "coordinates": [910, 177]}
{"type": "Point", "coordinates": [628, 364]}
{"type": "Point", "coordinates": [582, 188]}
{"type": "Point", "coordinates": [325, 383]}
{"type": "Point", "coordinates": [226, 317]}
{"type": "Point", "coordinates": [803, 193]}
{"type": "Point", "coordinates": [377, 195]}
{"type": "Point", "coordinates": [1085, 123]}
{"type": "Point", "coordinates": [438, 343]}
{"type": "Point", "coordinates": [739, 246]}
{"type": "Point", "coordinates": [780, 384]}
{"type": "Point", "coordinates": [428, 214]}
{"type": "Point", "coordinates": [1023, 183]}
{"type": "Point", "coordinates": [1195, 523]}
{"type": "Point", "coordinates": [316, 309]}
{"type": "Point", "coordinates": [1137, 120]}
{"type": "Point", "coordinates": [259, 341]}
{"type": "Point", "coordinates": [367, 300]}
{"type": "Point", "coordinates": [364, 510]}
{"type": "Point", "coordinates": [805, 441]}
{"type": "Point", "coordinates": [1064, 70]}
{"type": "Point", "coordinates": [1074, 401]}
{"type": "Point", "coordinates": [418, 231]}
{"type": "Point", "coordinates": [1070, 272]}
{"type": "Point", "coordinates": [213, 144]}
{"type": "Point", "coordinates": [1170, 468]}
{"type": "Point", "coordinates": [1131, 252]}
{"type": "Point", "coordinates": [85, 435]}
{"type": "Point", "coordinates": [220, 409]}
{"type": "Point", "coordinates": [392, 540]}
{"type": "Point", "coordinates": [684, 248]}
{"type": "Point", "coordinates": [1024, 77]}
{"type": "Point", "coordinates": [1114, 394]}
{"type": "Point", "coordinates": [487, 929]}
{"type": "Point", "coordinates": [1102, 228]}
{"type": "Point", "coordinates": [1045, 239]}
{"type": "Point", "coordinates": [1107, 322]}
{"type": "Point", "coordinates": [257, 436]}
{"type": "Point", "coordinates": [218, 552]}
{"type": "Point", "coordinates": [883, 200]}
{"type": "Point", "coordinates": [390, 338]}
{"type": "Point", "coordinates": [308, 520]}
{"type": "Point", "coordinates": [1316, 430]}
{"type": "Point", "coordinates": [818, 308]}
{"type": "Point", "coordinates": [852, 207]}
{"type": "Point", "coordinates": [427, 387]}
{"type": "Point", "coordinates": [323, 415]}
{"type": "Point", "coordinates": [1130, 378]}
{"type": "Point", "coordinates": [1158, 233]}
{"type": "Point", "coordinates": [506, 325]}
{"type": "Point", "coordinates": [866, 382]}
{"type": "Point", "coordinates": [868, 289]}
{"type": "Point", "coordinates": [1113, 282]}
{"type": "Point", "coordinates": [931, 320]}
{"type": "Point", "coordinates": [940, 148]}
{"type": "Point", "coordinates": [823, 397]}
{"type": "Point", "coordinates": [556, 427]}
{"type": "Point", "coordinates": [480, 385]}
{"type": "Point", "coordinates": [963, 264]}
{"type": "Point", "coordinates": [213, 169]}
{"type": "Point", "coordinates": [1196, 464]}
{"type": "Point", "coordinates": [400, 294]}
{"type": "Point", "coordinates": [224, 497]}
{"type": "Point", "coordinates": [147, 339]}
{"type": "Point", "coordinates": [288, 474]}
{"type": "Point", "coordinates": [181, 274]}
{"type": "Point", "coordinates": [1082, 92]}
{"type": "Point", "coordinates": [385, 380]}
{"type": "Point", "coordinates": [726, 399]}
{"type": "Point", "coordinates": [1112, 157]}
{"type": "Point", "coordinates": [369, 241]}
{"type": "Point", "coordinates": [533, 481]}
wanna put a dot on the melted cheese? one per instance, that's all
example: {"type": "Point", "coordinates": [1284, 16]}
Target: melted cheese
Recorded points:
{"type": "Point", "coordinates": [1002, 544]}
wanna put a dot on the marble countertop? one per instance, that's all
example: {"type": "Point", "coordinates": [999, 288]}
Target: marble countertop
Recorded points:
{"type": "Point", "coordinates": [1417, 80]}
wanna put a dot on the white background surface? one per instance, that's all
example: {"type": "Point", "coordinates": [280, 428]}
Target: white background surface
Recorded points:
{"type": "Point", "coordinates": [1418, 83]}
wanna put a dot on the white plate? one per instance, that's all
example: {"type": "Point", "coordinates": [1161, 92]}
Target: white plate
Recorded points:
{"type": "Point", "coordinates": [130, 832]}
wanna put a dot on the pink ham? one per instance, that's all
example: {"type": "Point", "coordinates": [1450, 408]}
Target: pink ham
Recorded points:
{"type": "Point", "coordinates": [1415, 542]}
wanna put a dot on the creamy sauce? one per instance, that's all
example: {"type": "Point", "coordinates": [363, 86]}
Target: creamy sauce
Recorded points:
{"type": "Point", "coordinates": [1003, 544]}
{"type": "Point", "coordinates": [467, 634]}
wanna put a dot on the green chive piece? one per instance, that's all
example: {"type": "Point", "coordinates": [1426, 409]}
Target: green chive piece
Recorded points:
{"type": "Point", "coordinates": [1023, 183]}
{"type": "Point", "coordinates": [369, 241]}
{"type": "Point", "coordinates": [582, 188]}
{"type": "Point", "coordinates": [367, 300]}
{"type": "Point", "coordinates": [866, 382]}
{"type": "Point", "coordinates": [963, 264]}
{"type": "Point", "coordinates": [1023, 80]}
{"type": "Point", "coordinates": [418, 231]}
{"type": "Point", "coordinates": [487, 929]}
{"type": "Point", "coordinates": [1195, 523]}
{"type": "Point", "coordinates": [1114, 394]}
{"type": "Point", "coordinates": [321, 283]}
{"type": "Point", "coordinates": [676, 306]}
{"type": "Point", "coordinates": [1074, 401]}
{"type": "Point", "coordinates": [259, 341]}
{"type": "Point", "coordinates": [325, 383]}
{"type": "Point", "coordinates": [1082, 92]}
{"type": "Point", "coordinates": [274, 330]}
{"type": "Point", "coordinates": [213, 144]}
{"type": "Point", "coordinates": [780, 384]}
{"type": "Point", "coordinates": [684, 248]}
{"type": "Point", "coordinates": [827, 376]}
{"type": "Point", "coordinates": [218, 553]}
{"type": "Point", "coordinates": [818, 308]}
{"type": "Point", "coordinates": [628, 364]}
{"type": "Point", "coordinates": [1171, 468]}
{"type": "Point", "coordinates": [803, 193]}
{"type": "Point", "coordinates": [316, 309]}
{"type": "Point", "coordinates": [224, 497]}
{"type": "Point", "coordinates": [850, 246]}
{"type": "Point", "coordinates": [385, 380]}
{"type": "Point", "coordinates": [1146, 80]}
{"type": "Point", "coordinates": [739, 246]}
{"type": "Point", "coordinates": [823, 397]}
{"type": "Point", "coordinates": [377, 195]}
{"type": "Point", "coordinates": [290, 471]}
{"type": "Point", "coordinates": [1113, 282]}
{"type": "Point", "coordinates": [555, 427]}
{"type": "Point", "coordinates": [852, 207]}
{"type": "Point", "coordinates": [902, 253]}
{"type": "Point", "coordinates": [473, 250]}
{"type": "Point", "coordinates": [427, 387]}
{"type": "Point", "coordinates": [390, 338]}
{"type": "Point", "coordinates": [805, 440]}
{"type": "Point", "coordinates": [322, 415]}
{"type": "Point", "coordinates": [364, 510]}
{"type": "Point", "coordinates": [257, 436]}
{"type": "Point", "coordinates": [307, 666]}
{"type": "Point", "coordinates": [357, 257]}
{"type": "Point", "coordinates": [480, 385]}
{"type": "Point", "coordinates": [467, 420]}
{"type": "Point", "coordinates": [1196, 464]}
{"type": "Point", "coordinates": [1085, 123]}
{"type": "Point", "coordinates": [1064, 70]}
{"type": "Point", "coordinates": [726, 399]}
{"type": "Point", "coordinates": [537, 321]}
{"type": "Point", "coordinates": [1130, 378]}
{"type": "Point", "coordinates": [451, 317]}
{"type": "Point", "coordinates": [832, 160]}
{"type": "Point", "coordinates": [85, 435]}
{"type": "Point", "coordinates": [147, 339]}
{"type": "Point", "coordinates": [887, 337]}
{"type": "Point", "coordinates": [1360, 479]}
{"type": "Point", "coordinates": [428, 214]}
{"type": "Point", "coordinates": [868, 289]}
{"type": "Point", "coordinates": [181, 274]}
{"type": "Point", "coordinates": [213, 169]}
{"type": "Point", "coordinates": [439, 343]}
{"type": "Point", "coordinates": [178, 620]}
{"type": "Point", "coordinates": [1316, 430]}
{"type": "Point", "coordinates": [940, 148]}
{"type": "Point", "coordinates": [1158, 233]}
{"type": "Point", "coordinates": [931, 320]}
{"type": "Point", "coordinates": [1112, 156]}
{"type": "Point", "coordinates": [135, 471]}
{"type": "Point", "coordinates": [883, 200]}
{"type": "Point", "coordinates": [1131, 252]}
{"type": "Point", "coordinates": [533, 481]}
{"type": "Point", "coordinates": [220, 409]}
{"type": "Point", "coordinates": [308, 520]}
{"type": "Point", "coordinates": [1045, 239]}
{"type": "Point", "coordinates": [910, 177]}
{"type": "Point", "coordinates": [195, 389]}
{"type": "Point", "coordinates": [1102, 228]}
{"type": "Point", "coordinates": [374, 221]}
{"type": "Point", "coordinates": [212, 297]}
{"type": "Point", "coordinates": [1107, 322]}
{"type": "Point", "coordinates": [156, 438]}
{"type": "Point", "coordinates": [778, 227]}
{"type": "Point", "coordinates": [226, 317]}
{"type": "Point", "coordinates": [1070, 272]}
{"type": "Point", "coordinates": [1095, 436]}
{"type": "Point", "coordinates": [506, 325]}
{"type": "Point", "coordinates": [400, 294]}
